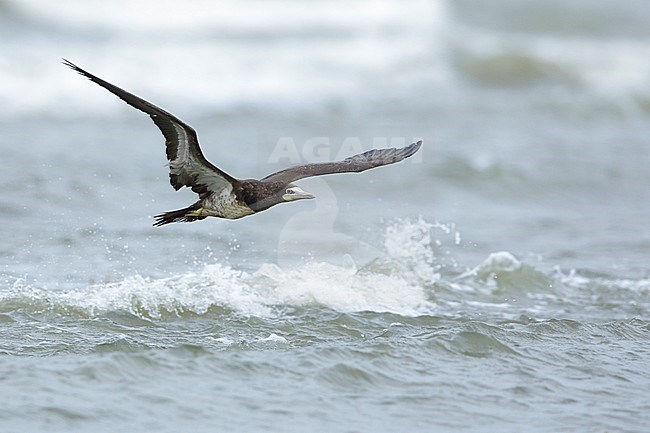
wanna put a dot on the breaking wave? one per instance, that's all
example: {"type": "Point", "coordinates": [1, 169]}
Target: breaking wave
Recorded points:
{"type": "Point", "coordinates": [400, 284]}
{"type": "Point", "coordinates": [416, 276]}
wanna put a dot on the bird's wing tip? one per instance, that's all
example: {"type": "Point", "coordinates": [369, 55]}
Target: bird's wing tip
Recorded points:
{"type": "Point", "coordinates": [412, 148]}
{"type": "Point", "coordinates": [72, 66]}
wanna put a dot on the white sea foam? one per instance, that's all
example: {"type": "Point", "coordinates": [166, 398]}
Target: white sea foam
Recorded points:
{"type": "Point", "coordinates": [501, 261]}
{"type": "Point", "coordinates": [216, 285]}
{"type": "Point", "coordinates": [274, 338]}
{"type": "Point", "coordinates": [341, 288]}
{"type": "Point", "coordinates": [419, 245]}
{"type": "Point", "coordinates": [574, 279]}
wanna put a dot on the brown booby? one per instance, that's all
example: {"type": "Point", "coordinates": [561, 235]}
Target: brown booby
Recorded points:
{"type": "Point", "coordinates": [221, 195]}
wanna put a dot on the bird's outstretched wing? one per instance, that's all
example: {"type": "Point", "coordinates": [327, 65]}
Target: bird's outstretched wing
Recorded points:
{"type": "Point", "coordinates": [354, 164]}
{"type": "Point", "coordinates": [187, 165]}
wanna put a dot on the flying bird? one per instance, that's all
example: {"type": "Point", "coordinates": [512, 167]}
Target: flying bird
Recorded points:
{"type": "Point", "coordinates": [221, 195]}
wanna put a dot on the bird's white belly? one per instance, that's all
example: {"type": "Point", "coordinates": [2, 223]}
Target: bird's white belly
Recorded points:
{"type": "Point", "coordinates": [225, 205]}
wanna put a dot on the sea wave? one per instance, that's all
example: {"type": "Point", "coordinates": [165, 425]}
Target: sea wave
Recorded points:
{"type": "Point", "coordinates": [254, 55]}
{"type": "Point", "coordinates": [417, 276]}
{"type": "Point", "coordinates": [401, 290]}
{"type": "Point", "coordinates": [220, 287]}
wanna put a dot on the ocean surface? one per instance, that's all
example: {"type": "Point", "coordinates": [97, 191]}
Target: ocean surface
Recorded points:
{"type": "Point", "coordinates": [498, 281]}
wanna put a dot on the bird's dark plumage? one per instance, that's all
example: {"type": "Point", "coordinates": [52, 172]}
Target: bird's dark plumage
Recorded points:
{"type": "Point", "coordinates": [220, 194]}
{"type": "Point", "coordinates": [354, 164]}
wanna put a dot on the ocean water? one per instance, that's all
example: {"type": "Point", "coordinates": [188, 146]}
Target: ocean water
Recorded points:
{"type": "Point", "coordinates": [498, 281]}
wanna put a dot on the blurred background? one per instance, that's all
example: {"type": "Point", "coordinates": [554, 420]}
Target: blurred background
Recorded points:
{"type": "Point", "coordinates": [534, 118]}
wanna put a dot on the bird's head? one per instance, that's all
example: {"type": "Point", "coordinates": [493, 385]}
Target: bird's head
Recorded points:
{"type": "Point", "coordinates": [260, 196]}
{"type": "Point", "coordinates": [293, 193]}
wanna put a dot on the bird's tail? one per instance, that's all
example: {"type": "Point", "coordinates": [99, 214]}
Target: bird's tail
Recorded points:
{"type": "Point", "coordinates": [186, 215]}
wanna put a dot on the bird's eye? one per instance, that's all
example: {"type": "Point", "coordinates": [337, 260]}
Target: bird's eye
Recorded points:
{"type": "Point", "coordinates": [290, 191]}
